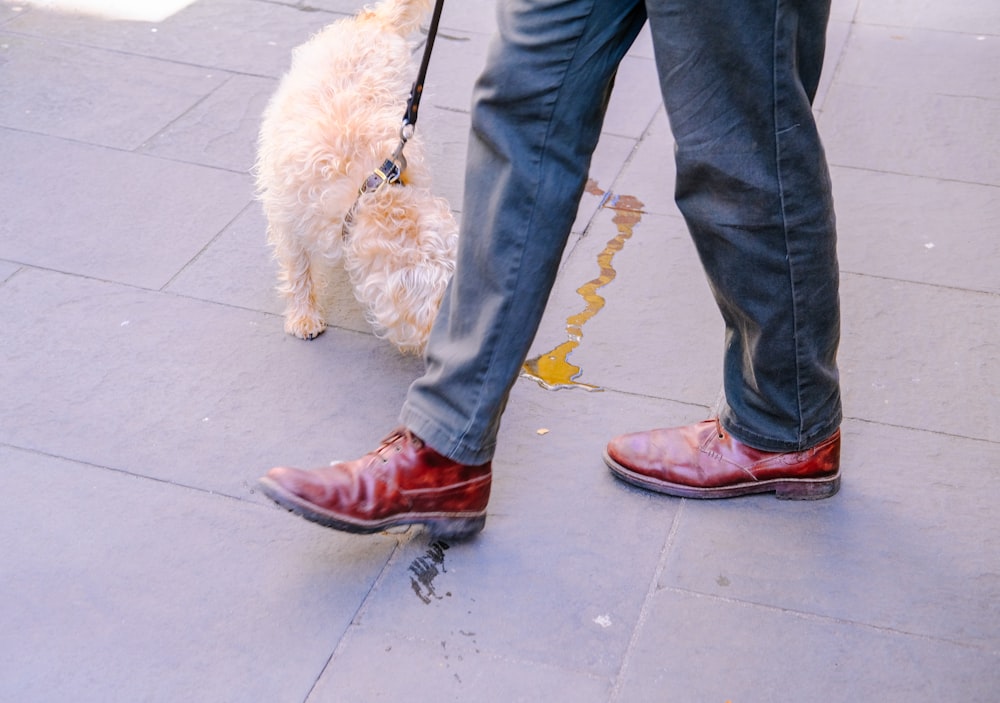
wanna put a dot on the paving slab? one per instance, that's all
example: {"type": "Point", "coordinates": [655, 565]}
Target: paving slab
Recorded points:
{"type": "Point", "coordinates": [905, 547]}
{"type": "Point", "coordinates": [220, 130]}
{"type": "Point", "coordinates": [455, 65]}
{"type": "Point", "coordinates": [559, 576]}
{"type": "Point", "coordinates": [609, 158]}
{"type": "Point", "coordinates": [124, 588]}
{"type": "Point", "coordinates": [694, 648]}
{"type": "Point", "coordinates": [632, 312]}
{"type": "Point", "coordinates": [837, 34]}
{"type": "Point", "coordinates": [630, 111]}
{"type": "Point", "coordinates": [7, 269]}
{"type": "Point", "coordinates": [243, 247]}
{"type": "Point", "coordinates": [649, 175]}
{"type": "Point", "coordinates": [94, 95]}
{"type": "Point", "coordinates": [470, 15]}
{"type": "Point", "coordinates": [109, 214]}
{"type": "Point", "coordinates": [922, 60]}
{"type": "Point", "coordinates": [205, 34]}
{"type": "Point", "coordinates": [924, 357]}
{"type": "Point", "coordinates": [444, 132]}
{"type": "Point", "coordinates": [917, 229]}
{"type": "Point", "coordinates": [972, 16]}
{"type": "Point", "coordinates": [843, 10]}
{"type": "Point", "coordinates": [919, 134]}
{"type": "Point", "coordinates": [453, 669]}
{"type": "Point", "coordinates": [147, 383]}
{"type": "Point", "coordinates": [905, 102]}
{"type": "Point", "coordinates": [235, 392]}
{"type": "Point", "coordinates": [339, 6]}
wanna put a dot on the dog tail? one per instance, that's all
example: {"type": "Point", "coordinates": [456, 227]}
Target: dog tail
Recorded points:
{"type": "Point", "coordinates": [404, 15]}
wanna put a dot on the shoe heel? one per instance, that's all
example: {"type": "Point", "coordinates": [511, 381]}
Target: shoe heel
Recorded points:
{"type": "Point", "coordinates": [808, 490]}
{"type": "Point", "coordinates": [456, 528]}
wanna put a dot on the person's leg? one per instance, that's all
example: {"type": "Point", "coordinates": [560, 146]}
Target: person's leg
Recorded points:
{"type": "Point", "coordinates": [536, 119]}
{"type": "Point", "coordinates": [738, 80]}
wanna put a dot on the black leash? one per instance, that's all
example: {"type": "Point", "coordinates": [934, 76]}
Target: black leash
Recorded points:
{"type": "Point", "coordinates": [392, 169]}
{"type": "Point", "coordinates": [410, 118]}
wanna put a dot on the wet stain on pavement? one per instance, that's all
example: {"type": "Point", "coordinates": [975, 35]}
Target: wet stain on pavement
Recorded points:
{"type": "Point", "coordinates": [553, 370]}
{"type": "Point", "coordinates": [425, 569]}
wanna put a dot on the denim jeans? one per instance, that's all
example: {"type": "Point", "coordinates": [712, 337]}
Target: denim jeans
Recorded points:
{"type": "Point", "coordinates": [738, 78]}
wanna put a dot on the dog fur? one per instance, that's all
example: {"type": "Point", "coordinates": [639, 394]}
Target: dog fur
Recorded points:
{"type": "Point", "coordinates": [335, 117]}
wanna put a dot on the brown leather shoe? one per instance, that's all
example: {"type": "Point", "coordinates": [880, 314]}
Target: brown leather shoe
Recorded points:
{"type": "Point", "coordinates": [705, 461]}
{"type": "Point", "coordinates": [403, 482]}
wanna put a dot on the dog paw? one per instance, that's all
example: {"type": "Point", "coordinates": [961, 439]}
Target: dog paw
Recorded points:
{"type": "Point", "coordinates": [305, 327]}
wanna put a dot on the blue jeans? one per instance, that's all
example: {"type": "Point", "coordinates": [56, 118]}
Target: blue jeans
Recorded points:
{"type": "Point", "coordinates": [738, 78]}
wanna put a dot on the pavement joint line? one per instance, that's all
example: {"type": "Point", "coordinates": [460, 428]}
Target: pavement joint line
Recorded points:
{"type": "Point", "coordinates": [497, 655]}
{"type": "Point", "coordinates": [226, 79]}
{"type": "Point", "coordinates": [651, 591]}
{"type": "Point", "coordinates": [209, 301]}
{"type": "Point", "coordinates": [19, 268]}
{"type": "Point", "coordinates": [637, 394]}
{"type": "Point", "coordinates": [835, 70]}
{"type": "Point", "coordinates": [924, 284]}
{"type": "Point", "coordinates": [214, 238]}
{"type": "Point", "coordinates": [363, 606]}
{"type": "Point", "coordinates": [26, 268]}
{"type": "Point", "coordinates": [633, 154]}
{"type": "Point", "coordinates": [132, 152]}
{"type": "Point", "coordinates": [919, 28]}
{"type": "Point", "coordinates": [829, 619]}
{"type": "Point", "coordinates": [48, 38]}
{"type": "Point", "coordinates": [908, 174]}
{"type": "Point", "coordinates": [132, 474]}
{"type": "Point", "coordinates": [925, 430]}
{"type": "Point", "coordinates": [449, 108]}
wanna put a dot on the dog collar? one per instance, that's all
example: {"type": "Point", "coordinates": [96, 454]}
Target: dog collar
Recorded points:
{"type": "Point", "coordinates": [387, 174]}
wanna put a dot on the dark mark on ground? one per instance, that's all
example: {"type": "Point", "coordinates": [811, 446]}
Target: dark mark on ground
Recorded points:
{"type": "Point", "coordinates": [427, 568]}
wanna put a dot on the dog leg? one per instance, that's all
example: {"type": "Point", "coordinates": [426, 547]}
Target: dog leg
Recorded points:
{"type": "Point", "coordinates": [298, 278]}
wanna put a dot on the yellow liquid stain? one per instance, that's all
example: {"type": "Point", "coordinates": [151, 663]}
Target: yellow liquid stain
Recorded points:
{"type": "Point", "coordinates": [553, 369]}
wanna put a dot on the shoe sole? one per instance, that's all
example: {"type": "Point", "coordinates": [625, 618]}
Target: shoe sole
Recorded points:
{"type": "Point", "coordinates": [783, 488]}
{"type": "Point", "coordinates": [455, 526]}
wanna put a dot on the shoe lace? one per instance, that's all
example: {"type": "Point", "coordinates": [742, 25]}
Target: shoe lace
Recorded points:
{"type": "Point", "coordinates": [393, 443]}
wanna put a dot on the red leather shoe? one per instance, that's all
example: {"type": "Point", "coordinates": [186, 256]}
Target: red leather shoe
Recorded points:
{"type": "Point", "coordinates": [705, 461]}
{"type": "Point", "coordinates": [403, 482]}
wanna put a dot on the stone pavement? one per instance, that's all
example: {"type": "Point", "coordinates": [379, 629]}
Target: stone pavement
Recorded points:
{"type": "Point", "coordinates": [145, 383]}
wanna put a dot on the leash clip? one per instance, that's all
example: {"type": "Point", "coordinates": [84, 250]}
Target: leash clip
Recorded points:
{"type": "Point", "coordinates": [386, 174]}
{"type": "Point", "coordinates": [392, 169]}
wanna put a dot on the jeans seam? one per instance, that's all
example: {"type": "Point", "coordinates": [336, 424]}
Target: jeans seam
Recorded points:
{"type": "Point", "coordinates": [505, 315]}
{"type": "Point", "coordinates": [775, 67]}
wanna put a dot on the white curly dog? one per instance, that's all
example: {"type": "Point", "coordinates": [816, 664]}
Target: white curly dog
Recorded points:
{"type": "Point", "coordinates": [335, 118]}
